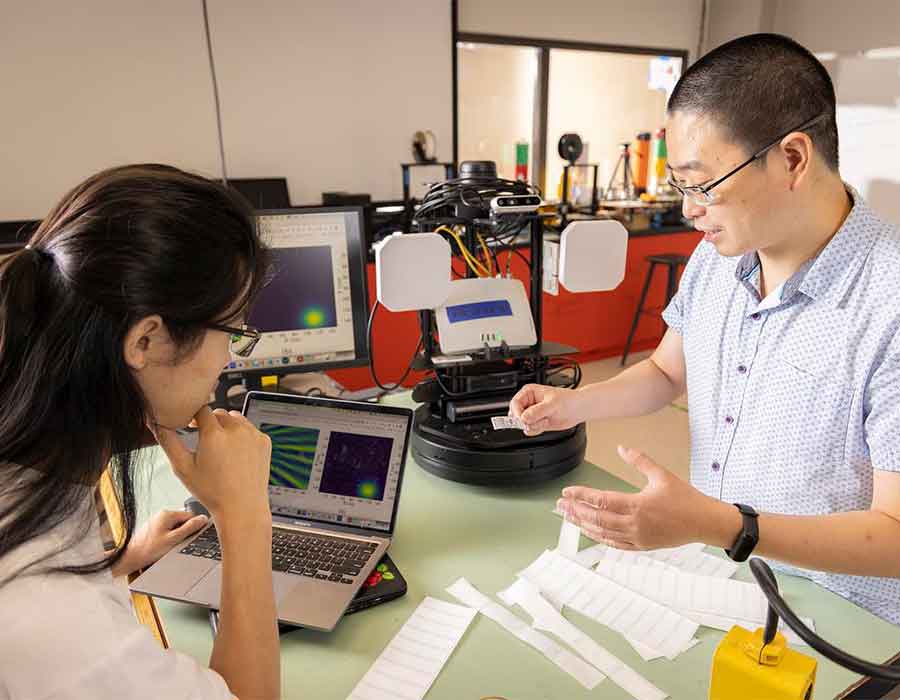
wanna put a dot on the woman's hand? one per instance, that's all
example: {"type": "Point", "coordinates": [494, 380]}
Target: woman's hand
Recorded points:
{"type": "Point", "coordinates": [157, 536]}
{"type": "Point", "coordinates": [229, 473]}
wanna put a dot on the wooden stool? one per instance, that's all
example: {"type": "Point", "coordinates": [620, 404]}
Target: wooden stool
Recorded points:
{"type": "Point", "coordinates": [672, 262]}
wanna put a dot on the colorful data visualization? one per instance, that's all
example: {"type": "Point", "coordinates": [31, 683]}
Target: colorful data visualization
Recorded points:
{"type": "Point", "coordinates": [301, 294]}
{"type": "Point", "coordinates": [293, 452]}
{"type": "Point", "coordinates": [357, 465]}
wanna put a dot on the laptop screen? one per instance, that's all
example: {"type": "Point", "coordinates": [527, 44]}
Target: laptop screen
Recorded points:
{"type": "Point", "coordinates": [331, 463]}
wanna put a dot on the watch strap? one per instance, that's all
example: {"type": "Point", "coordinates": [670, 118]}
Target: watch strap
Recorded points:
{"type": "Point", "coordinates": [749, 536]}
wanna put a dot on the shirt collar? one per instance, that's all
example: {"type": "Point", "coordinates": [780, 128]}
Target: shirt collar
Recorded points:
{"type": "Point", "coordinates": [837, 266]}
{"type": "Point", "coordinates": [829, 275]}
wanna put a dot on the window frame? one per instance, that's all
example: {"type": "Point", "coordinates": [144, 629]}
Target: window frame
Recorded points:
{"type": "Point", "coordinates": [541, 96]}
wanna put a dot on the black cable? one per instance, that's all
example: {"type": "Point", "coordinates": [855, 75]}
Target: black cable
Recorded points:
{"type": "Point", "coordinates": [402, 379]}
{"type": "Point", "coordinates": [462, 191]}
{"type": "Point", "coordinates": [493, 253]}
{"type": "Point", "coordinates": [516, 251]}
{"type": "Point", "coordinates": [447, 391]}
{"type": "Point", "coordinates": [504, 239]}
{"type": "Point", "coordinates": [576, 374]}
{"type": "Point", "coordinates": [215, 86]}
{"type": "Point", "coordinates": [766, 580]}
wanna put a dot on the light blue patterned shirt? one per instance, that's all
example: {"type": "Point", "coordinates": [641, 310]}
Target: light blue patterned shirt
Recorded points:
{"type": "Point", "coordinates": [792, 407]}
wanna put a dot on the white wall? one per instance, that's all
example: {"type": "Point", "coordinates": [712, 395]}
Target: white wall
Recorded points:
{"type": "Point", "coordinates": [867, 88]}
{"type": "Point", "coordinates": [326, 93]}
{"type": "Point", "coordinates": [671, 24]}
{"type": "Point", "coordinates": [837, 25]}
{"type": "Point", "coordinates": [92, 84]}
{"type": "Point", "coordinates": [729, 19]}
{"type": "Point", "coordinates": [299, 78]}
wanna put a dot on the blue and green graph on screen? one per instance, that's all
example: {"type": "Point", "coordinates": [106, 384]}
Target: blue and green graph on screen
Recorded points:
{"type": "Point", "coordinates": [293, 452]}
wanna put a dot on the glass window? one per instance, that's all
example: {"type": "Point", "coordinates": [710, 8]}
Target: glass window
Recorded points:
{"type": "Point", "coordinates": [497, 86]}
{"type": "Point", "coordinates": [605, 98]}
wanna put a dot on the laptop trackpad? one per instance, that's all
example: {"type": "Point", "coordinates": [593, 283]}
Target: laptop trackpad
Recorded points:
{"type": "Point", "coordinates": [209, 589]}
{"type": "Point", "coordinates": [283, 584]}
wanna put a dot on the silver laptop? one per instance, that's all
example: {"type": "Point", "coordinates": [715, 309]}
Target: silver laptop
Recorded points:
{"type": "Point", "coordinates": [334, 486]}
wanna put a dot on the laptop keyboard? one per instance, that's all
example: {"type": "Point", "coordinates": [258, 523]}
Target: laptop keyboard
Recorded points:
{"type": "Point", "coordinates": [317, 556]}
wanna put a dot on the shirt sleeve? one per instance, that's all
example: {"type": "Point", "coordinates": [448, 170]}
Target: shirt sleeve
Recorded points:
{"type": "Point", "coordinates": [882, 409]}
{"type": "Point", "coordinates": [677, 312]}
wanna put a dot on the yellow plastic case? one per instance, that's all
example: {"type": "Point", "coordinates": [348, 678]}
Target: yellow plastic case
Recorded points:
{"type": "Point", "coordinates": [744, 667]}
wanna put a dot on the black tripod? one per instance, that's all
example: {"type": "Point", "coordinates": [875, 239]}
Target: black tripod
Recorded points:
{"type": "Point", "coordinates": [627, 178]}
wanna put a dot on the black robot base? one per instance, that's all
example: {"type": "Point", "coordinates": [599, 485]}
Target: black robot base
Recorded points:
{"type": "Point", "coordinates": [474, 453]}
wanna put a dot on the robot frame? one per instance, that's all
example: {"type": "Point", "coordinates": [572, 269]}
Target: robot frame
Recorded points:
{"type": "Point", "coordinates": [482, 334]}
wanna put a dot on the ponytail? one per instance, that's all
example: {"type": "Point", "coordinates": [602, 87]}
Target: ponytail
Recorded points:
{"type": "Point", "coordinates": [125, 244]}
{"type": "Point", "coordinates": [23, 277]}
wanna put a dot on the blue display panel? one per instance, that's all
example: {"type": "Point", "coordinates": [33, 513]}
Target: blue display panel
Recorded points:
{"type": "Point", "coordinates": [479, 309]}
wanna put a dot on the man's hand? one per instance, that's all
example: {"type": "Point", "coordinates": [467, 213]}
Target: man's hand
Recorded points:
{"type": "Point", "coordinates": [158, 535]}
{"type": "Point", "coordinates": [542, 408]}
{"type": "Point", "coordinates": [668, 512]}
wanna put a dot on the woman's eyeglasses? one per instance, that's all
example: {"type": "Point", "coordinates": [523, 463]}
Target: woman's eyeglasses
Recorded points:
{"type": "Point", "coordinates": [243, 339]}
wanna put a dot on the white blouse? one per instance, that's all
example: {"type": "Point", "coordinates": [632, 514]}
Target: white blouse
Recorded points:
{"type": "Point", "coordinates": [67, 636]}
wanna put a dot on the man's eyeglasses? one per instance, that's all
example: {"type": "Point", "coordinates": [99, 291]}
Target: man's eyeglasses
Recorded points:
{"type": "Point", "coordinates": [243, 339]}
{"type": "Point", "coordinates": [702, 195]}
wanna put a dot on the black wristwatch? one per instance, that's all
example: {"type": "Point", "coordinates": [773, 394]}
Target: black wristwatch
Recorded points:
{"type": "Point", "coordinates": [748, 538]}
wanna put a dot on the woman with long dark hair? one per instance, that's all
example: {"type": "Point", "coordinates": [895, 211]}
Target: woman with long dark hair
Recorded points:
{"type": "Point", "coordinates": [115, 322]}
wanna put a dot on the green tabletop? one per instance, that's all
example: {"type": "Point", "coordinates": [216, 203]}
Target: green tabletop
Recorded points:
{"type": "Point", "coordinates": [446, 530]}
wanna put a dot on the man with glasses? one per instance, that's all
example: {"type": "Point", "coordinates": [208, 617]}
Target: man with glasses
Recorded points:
{"type": "Point", "coordinates": [785, 333]}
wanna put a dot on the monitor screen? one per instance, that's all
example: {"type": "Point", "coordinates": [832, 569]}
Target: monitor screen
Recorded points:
{"type": "Point", "coordinates": [313, 312]}
{"type": "Point", "coordinates": [332, 464]}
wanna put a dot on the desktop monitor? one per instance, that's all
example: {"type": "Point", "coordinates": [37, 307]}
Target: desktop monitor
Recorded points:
{"type": "Point", "coordinates": [15, 234]}
{"type": "Point", "coordinates": [313, 312]}
{"type": "Point", "coordinates": [263, 192]}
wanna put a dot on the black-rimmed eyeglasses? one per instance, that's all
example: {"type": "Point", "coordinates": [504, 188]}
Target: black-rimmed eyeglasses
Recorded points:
{"type": "Point", "coordinates": [243, 339]}
{"type": "Point", "coordinates": [702, 194]}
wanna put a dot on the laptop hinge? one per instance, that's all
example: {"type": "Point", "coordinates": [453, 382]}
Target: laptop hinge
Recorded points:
{"type": "Point", "coordinates": [306, 526]}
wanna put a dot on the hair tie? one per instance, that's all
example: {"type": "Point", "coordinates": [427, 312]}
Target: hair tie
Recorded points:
{"type": "Point", "coordinates": [41, 253]}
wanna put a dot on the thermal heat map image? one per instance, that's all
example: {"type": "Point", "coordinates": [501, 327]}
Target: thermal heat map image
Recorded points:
{"type": "Point", "coordinates": [357, 465]}
{"type": "Point", "coordinates": [293, 451]}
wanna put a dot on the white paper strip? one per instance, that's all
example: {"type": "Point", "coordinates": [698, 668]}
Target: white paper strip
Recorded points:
{"type": "Point", "coordinates": [645, 652]}
{"type": "Point", "coordinates": [526, 596]}
{"type": "Point", "coordinates": [689, 592]}
{"type": "Point", "coordinates": [689, 558]}
{"type": "Point", "coordinates": [726, 623]}
{"type": "Point", "coordinates": [611, 604]}
{"type": "Point", "coordinates": [692, 559]}
{"type": "Point", "coordinates": [415, 656]}
{"type": "Point", "coordinates": [569, 539]}
{"type": "Point", "coordinates": [581, 671]}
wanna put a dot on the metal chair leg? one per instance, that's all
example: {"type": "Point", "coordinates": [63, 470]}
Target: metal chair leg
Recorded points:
{"type": "Point", "coordinates": [637, 313]}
